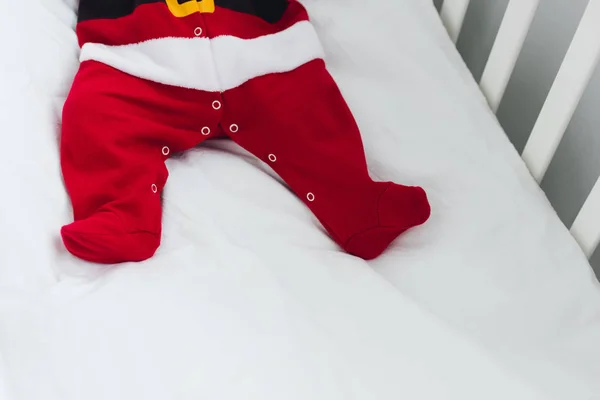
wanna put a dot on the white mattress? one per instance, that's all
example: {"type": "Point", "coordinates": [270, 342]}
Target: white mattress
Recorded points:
{"type": "Point", "coordinates": [248, 298]}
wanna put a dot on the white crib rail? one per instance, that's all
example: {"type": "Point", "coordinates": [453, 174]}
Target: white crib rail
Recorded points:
{"type": "Point", "coordinates": [506, 49]}
{"type": "Point", "coordinates": [586, 228]}
{"type": "Point", "coordinates": [572, 79]}
{"type": "Point", "coordinates": [453, 14]}
{"type": "Point", "coordinates": [562, 100]}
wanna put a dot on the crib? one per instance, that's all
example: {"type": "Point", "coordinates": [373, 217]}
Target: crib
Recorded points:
{"type": "Point", "coordinates": [572, 79]}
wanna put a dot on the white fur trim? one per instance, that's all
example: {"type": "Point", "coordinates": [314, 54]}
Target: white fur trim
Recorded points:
{"type": "Point", "coordinates": [212, 65]}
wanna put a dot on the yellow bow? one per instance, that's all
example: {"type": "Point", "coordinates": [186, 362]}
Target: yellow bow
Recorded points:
{"type": "Point", "coordinates": [190, 7]}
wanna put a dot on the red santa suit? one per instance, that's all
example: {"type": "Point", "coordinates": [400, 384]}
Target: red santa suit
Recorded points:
{"type": "Point", "coordinates": [161, 76]}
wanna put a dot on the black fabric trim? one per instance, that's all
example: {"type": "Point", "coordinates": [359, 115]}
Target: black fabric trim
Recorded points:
{"type": "Point", "coordinates": [108, 9]}
{"type": "Point", "coordinates": [269, 10]}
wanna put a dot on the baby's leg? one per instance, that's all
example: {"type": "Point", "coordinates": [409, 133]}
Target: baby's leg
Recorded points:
{"type": "Point", "coordinates": [118, 131]}
{"type": "Point", "coordinates": [299, 123]}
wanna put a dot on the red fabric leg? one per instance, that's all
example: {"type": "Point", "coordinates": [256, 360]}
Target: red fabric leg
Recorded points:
{"type": "Point", "coordinates": [299, 123]}
{"type": "Point", "coordinates": [117, 132]}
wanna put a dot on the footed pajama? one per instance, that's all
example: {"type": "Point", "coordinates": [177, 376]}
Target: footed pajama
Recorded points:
{"type": "Point", "coordinates": [161, 77]}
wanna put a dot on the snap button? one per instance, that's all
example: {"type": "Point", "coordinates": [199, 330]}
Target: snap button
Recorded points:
{"type": "Point", "coordinates": [166, 151]}
{"type": "Point", "coordinates": [272, 158]}
{"type": "Point", "coordinates": [154, 188]}
{"type": "Point", "coordinates": [198, 31]}
{"type": "Point", "coordinates": [310, 197]}
{"type": "Point", "coordinates": [205, 131]}
{"type": "Point", "coordinates": [234, 128]}
{"type": "Point", "coordinates": [216, 104]}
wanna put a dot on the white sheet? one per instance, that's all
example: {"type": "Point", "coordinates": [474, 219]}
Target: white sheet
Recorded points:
{"type": "Point", "coordinates": [247, 297]}
{"type": "Point", "coordinates": [494, 261]}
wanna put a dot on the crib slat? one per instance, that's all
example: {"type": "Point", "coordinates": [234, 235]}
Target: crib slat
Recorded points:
{"type": "Point", "coordinates": [563, 98]}
{"type": "Point", "coordinates": [586, 228]}
{"type": "Point", "coordinates": [507, 47]}
{"type": "Point", "coordinates": [453, 14]}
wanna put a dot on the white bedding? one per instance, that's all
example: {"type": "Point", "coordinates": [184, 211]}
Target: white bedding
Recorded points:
{"type": "Point", "coordinates": [248, 298]}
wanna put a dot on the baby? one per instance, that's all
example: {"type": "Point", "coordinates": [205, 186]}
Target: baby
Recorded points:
{"type": "Point", "coordinates": [161, 76]}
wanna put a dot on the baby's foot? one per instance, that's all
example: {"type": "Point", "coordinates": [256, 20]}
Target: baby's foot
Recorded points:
{"type": "Point", "coordinates": [102, 238]}
{"type": "Point", "coordinates": [399, 209]}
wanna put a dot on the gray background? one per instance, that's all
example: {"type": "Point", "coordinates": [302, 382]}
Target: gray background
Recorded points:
{"type": "Point", "coordinates": [576, 166]}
